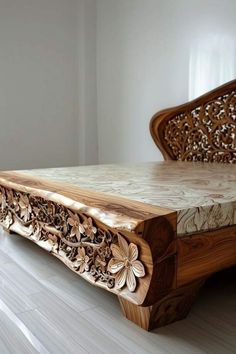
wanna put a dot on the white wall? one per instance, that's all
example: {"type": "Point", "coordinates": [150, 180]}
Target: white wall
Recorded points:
{"type": "Point", "coordinates": [38, 83]}
{"type": "Point", "coordinates": [87, 83]}
{"type": "Point", "coordinates": [150, 55]}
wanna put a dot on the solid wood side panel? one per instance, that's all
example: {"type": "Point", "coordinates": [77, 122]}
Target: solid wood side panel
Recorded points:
{"type": "Point", "coordinates": [206, 253]}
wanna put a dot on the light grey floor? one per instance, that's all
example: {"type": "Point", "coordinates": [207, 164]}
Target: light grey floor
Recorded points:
{"type": "Point", "coordinates": [46, 308]}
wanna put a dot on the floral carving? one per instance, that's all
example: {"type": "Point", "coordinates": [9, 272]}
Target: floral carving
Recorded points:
{"type": "Point", "coordinates": [82, 260]}
{"type": "Point", "coordinates": [76, 228]}
{"type": "Point", "coordinates": [207, 133]}
{"type": "Point", "coordinates": [100, 254]}
{"type": "Point", "coordinates": [125, 264]}
{"type": "Point", "coordinates": [89, 229]}
{"type": "Point", "coordinates": [25, 207]}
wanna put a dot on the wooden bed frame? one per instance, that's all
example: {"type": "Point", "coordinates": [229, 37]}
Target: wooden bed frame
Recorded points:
{"type": "Point", "coordinates": [160, 274]}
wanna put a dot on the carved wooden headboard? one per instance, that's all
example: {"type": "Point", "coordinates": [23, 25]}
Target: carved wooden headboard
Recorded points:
{"type": "Point", "coordinates": [201, 130]}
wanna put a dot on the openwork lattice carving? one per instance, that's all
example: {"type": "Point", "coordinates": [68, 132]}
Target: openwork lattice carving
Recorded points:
{"type": "Point", "coordinates": [207, 133]}
{"type": "Point", "coordinates": [97, 254]}
{"type": "Point", "coordinates": [201, 130]}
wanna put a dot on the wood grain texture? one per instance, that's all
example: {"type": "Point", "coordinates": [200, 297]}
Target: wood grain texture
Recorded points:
{"type": "Point", "coordinates": [201, 130]}
{"type": "Point", "coordinates": [203, 194]}
{"type": "Point", "coordinates": [113, 210]}
{"type": "Point", "coordinates": [173, 307]}
{"type": "Point", "coordinates": [206, 253]}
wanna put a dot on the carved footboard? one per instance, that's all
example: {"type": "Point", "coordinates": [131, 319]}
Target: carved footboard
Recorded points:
{"type": "Point", "coordinates": [126, 247]}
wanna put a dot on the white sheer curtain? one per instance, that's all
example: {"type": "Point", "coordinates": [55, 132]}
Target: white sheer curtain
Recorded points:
{"type": "Point", "coordinates": [212, 63]}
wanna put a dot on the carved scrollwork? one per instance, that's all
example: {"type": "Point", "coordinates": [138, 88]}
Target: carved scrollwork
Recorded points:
{"type": "Point", "coordinates": [206, 133]}
{"type": "Point", "coordinates": [99, 255]}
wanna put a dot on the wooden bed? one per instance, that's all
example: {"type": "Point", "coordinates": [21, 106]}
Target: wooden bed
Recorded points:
{"type": "Point", "coordinates": [151, 233]}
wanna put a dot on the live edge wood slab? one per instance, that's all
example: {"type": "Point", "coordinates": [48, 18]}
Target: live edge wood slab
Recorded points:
{"type": "Point", "coordinates": [150, 233]}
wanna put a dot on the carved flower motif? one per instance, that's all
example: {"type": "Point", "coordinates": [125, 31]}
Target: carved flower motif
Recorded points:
{"type": "Point", "coordinates": [25, 208]}
{"type": "Point", "coordinates": [77, 227]}
{"type": "Point", "coordinates": [125, 264]}
{"type": "Point", "coordinates": [89, 229]}
{"type": "Point", "coordinates": [52, 239]}
{"type": "Point", "coordinates": [82, 260]}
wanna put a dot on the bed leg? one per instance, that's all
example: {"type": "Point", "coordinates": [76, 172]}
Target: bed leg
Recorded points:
{"type": "Point", "coordinates": [173, 307]}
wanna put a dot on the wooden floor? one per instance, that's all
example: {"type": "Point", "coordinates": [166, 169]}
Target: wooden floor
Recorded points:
{"type": "Point", "coordinates": [45, 308]}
